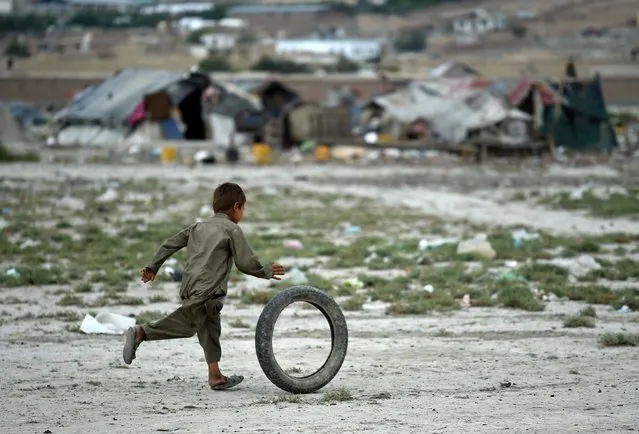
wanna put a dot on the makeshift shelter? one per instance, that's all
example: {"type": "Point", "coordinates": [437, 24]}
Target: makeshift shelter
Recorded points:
{"type": "Point", "coordinates": [452, 119]}
{"type": "Point", "coordinates": [146, 105]}
{"type": "Point", "coordinates": [454, 70]}
{"type": "Point", "coordinates": [572, 113]}
{"type": "Point", "coordinates": [11, 134]}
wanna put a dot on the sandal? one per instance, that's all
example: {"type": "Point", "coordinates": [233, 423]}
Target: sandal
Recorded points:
{"type": "Point", "coordinates": [231, 381]}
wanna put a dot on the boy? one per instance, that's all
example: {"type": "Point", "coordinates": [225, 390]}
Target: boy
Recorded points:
{"type": "Point", "coordinates": [212, 247]}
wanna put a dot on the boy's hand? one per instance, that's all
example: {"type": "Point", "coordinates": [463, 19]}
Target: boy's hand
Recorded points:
{"type": "Point", "coordinates": [147, 275]}
{"type": "Point", "coordinates": [278, 271]}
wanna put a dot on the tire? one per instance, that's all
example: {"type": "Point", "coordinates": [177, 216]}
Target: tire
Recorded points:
{"type": "Point", "coordinates": [264, 339]}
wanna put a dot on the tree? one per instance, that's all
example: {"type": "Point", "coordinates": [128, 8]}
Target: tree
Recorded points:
{"type": "Point", "coordinates": [344, 64]}
{"type": "Point", "coordinates": [410, 41]}
{"type": "Point", "coordinates": [282, 66]}
{"type": "Point", "coordinates": [215, 63]}
{"type": "Point", "coordinates": [195, 37]}
{"type": "Point", "coordinates": [17, 49]}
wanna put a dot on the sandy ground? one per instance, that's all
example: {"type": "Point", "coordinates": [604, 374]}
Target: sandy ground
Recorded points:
{"type": "Point", "coordinates": [496, 370]}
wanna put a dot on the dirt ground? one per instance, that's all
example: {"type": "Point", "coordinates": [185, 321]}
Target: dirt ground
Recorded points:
{"type": "Point", "coordinates": [484, 368]}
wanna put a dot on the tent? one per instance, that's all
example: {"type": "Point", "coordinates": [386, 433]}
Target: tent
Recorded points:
{"type": "Point", "coordinates": [139, 103]}
{"type": "Point", "coordinates": [11, 134]}
{"type": "Point", "coordinates": [572, 113]}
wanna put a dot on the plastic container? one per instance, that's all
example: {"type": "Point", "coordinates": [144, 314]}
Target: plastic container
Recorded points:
{"type": "Point", "coordinates": [261, 153]}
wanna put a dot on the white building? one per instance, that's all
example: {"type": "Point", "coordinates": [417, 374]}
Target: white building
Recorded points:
{"type": "Point", "coordinates": [478, 22]}
{"type": "Point", "coordinates": [357, 50]}
{"type": "Point", "coordinates": [7, 7]}
{"type": "Point", "coordinates": [177, 8]}
{"type": "Point", "coordinates": [219, 41]}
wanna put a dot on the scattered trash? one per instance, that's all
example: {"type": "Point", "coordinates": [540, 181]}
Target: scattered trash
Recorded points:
{"type": "Point", "coordinates": [505, 384]}
{"type": "Point", "coordinates": [430, 244]}
{"type": "Point", "coordinates": [478, 245]}
{"type": "Point", "coordinates": [510, 276]}
{"type": "Point", "coordinates": [624, 309]}
{"type": "Point", "coordinates": [579, 266]}
{"type": "Point", "coordinates": [106, 323]}
{"type": "Point", "coordinates": [173, 273]}
{"type": "Point", "coordinates": [371, 257]}
{"type": "Point", "coordinates": [429, 288]}
{"type": "Point", "coordinates": [108, 196]}
{"type": "Point", "coordinates": [296, 277]}
{"type": "Point", "coordinates": [511, 264]}
{"type": "Point", "coordinates": [354, 283]}
{"type": "Point", "coordinates": [293, 244]}
{"type": "Point", "coordinates": [29, 243]}
{"type": "Point", "coordinates": [350, 229]}
{"type": "Point", "coordinates": [6, 211]}
{"type": "Point", "coordinates": [4, 224]}
{"type": "Point", "coordinates": [466, 301]}
{"type": "Point", "coordinates": [72, 203]}
{"type": "Point", "coordinates": [12, 272]}
{"type": "Point", "coordinates": [550, 297]}
{"type": "Point", "coordinates": [523, 235]}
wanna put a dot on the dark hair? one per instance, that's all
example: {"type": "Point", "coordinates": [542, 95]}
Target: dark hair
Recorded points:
{"type": "Point", "coordinates": [226, 195]}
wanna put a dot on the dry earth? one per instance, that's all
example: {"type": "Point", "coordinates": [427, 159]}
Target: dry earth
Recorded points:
{"type": "Point", "coordinates": [416, 362]}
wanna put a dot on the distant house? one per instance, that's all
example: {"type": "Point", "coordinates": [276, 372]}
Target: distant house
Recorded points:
{"type": "Point", "coordinates": [8, 6]}
{"type": "Point", "coordinates": [219, 40]}
{"type": "Point", "coordinates": [477, 22]}
{"type": "Point", "coordinates": [357, 50]}
{"type": "Point", "coordinates": [115, 5]}
{"type": "Point", "coordinates": [292, 20]}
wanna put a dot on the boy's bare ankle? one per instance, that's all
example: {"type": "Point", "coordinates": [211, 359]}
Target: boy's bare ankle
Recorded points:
{"type": "Point", "coordinates": [139, 335]}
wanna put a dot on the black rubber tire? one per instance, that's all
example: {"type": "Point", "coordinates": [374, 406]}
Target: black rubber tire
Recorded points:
{"type": "Point", "coordinates": [264, 339]}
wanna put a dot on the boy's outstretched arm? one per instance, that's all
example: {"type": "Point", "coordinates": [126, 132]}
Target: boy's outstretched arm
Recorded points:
{"type": "Point", "coordinates": [169, 247]}
{"type": "Point", "coordinates": [246, 261]}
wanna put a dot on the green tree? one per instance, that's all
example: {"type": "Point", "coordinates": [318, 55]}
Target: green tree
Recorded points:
{"type": "Point", "coordinates": [282, 66]}
{"type": "Point", "coordinates": [410, 41]}
{"type": "Point", "coordinates": [215, 63]}
{"type": "Point", "coordinates": [17, 49]}
{"type": "Point", "coordinates": [344, 64]}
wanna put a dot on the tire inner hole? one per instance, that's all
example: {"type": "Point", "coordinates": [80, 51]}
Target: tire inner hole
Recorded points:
{"type": "Point", "coordinates": [301, 339]}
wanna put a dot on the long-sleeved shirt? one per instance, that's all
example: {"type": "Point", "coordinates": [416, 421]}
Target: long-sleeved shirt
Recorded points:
{"type": "Point", "coordinates": [211, 247]}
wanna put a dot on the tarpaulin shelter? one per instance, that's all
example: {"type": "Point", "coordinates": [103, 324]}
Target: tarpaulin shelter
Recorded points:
{"type": "Point", "coordinates": [117, 107]}
{"type": "Point", "coordinates": [572, 113]}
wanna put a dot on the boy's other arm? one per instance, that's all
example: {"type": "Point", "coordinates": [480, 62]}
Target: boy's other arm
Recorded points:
{"type": "Point", "coordinates": [244, 258]}
{"type": "Point", "coordinates": [169, 247]}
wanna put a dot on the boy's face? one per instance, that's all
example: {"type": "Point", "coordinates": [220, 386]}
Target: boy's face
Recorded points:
{"type": "Point", "coordinates": [237, 212]}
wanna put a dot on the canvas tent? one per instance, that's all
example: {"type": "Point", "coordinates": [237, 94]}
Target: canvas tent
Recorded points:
{"type": "Point", "coordinates": [11, 134]}
{"type": "Point", "coordinates": [146, 105]}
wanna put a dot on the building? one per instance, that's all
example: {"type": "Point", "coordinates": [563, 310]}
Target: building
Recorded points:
{"type": "Point", "coordinates": [219, 41]}
{"type": "Point", "coordinates": [8, 7]}
{"type": "Point", "coordinates": [114, 5]}
{"type": "Point", "coordinates": [292, 20]}
{"type": "Point", "coordinates": [357, 50]}
{"type": "Point", "coordinates": [477, 22]}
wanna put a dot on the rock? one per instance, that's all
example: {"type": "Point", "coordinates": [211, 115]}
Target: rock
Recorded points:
{"type": "Point", "coordinates": [479, 245]}
{"type": "Point", "coordinates": [579, 266]}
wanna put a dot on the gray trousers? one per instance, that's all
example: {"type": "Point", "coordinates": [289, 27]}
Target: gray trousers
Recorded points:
{"type": "Point", "coordinates": [184, 322]}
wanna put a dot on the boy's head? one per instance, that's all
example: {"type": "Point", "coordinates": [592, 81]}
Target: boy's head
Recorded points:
{"type": "Point", "coordinates": [229, 199]}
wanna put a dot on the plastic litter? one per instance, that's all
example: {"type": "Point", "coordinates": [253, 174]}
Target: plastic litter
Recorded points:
{"type": "Point", "coordinates": [293, 244]}
{"type": "Point", "coordinates": [430, 244]}
{"type": "Point", "coordinates": [465, 302]}
{"type": "Point", "coordinates": [108, 196]}
{"type": "Point", "coordinates": [429, 288]}
{"type": "Point", "coordinates": [4, 224]}
{"type": "Point", "coordinates": [296, 277]}
{"type": "Point", "coordinates": [29, 243]}
{"type": "Point", "coordinates": [579, 266]}
{"type": "Point", "coordinates": [106, 323]}
{"type": "Point", "coordinates": [6, 211]}
{"type": "Point", "coordinates": [72, 203]}
{"type": "Point", "coordinates": [511, 264]}
{"type": "Point", "coordinates": [522, 235]}
{"type": "Point", "coordinates": [510, 276]}
{"type": "Point", "coordinates": [624, 309]}
{"type": "Point", "coordinates": [354, 283]}
{"type": "Point", "coordinates": [352, 229]}
{"type": "Point", "coordinates": [12, 272]}
{"type": "Point", "coordinates": [478, 245]}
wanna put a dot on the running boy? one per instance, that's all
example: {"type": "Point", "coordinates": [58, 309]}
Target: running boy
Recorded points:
{"type": "Point", "coordinates": [212, 247]}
